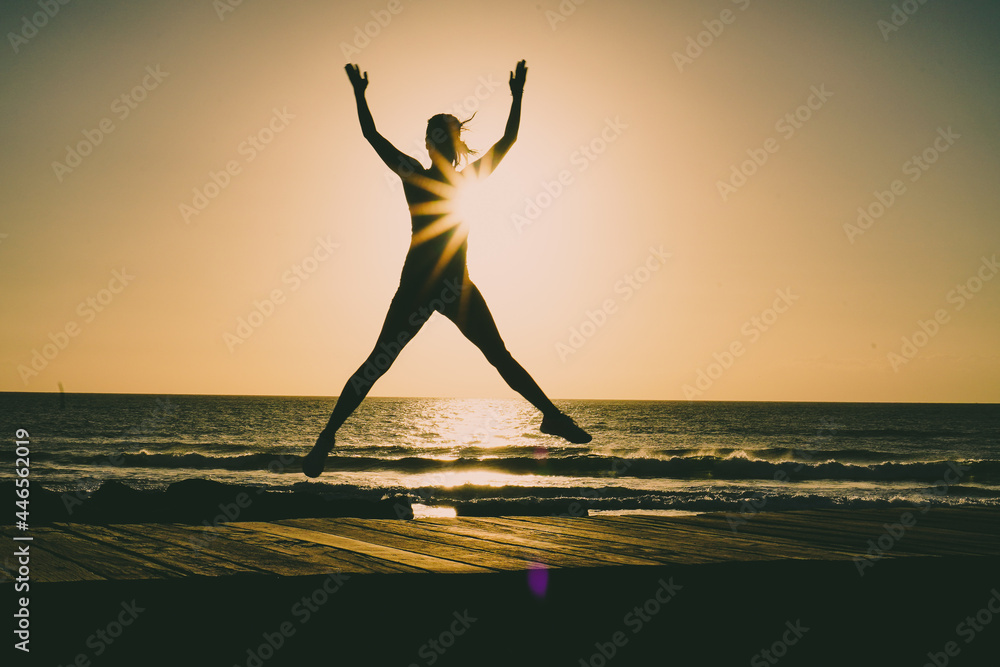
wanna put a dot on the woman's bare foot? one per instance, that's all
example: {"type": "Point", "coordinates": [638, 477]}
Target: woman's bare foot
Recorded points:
{"type": "Point", "coordinates": [563, 425]}
{"type": "Point", "coordinates": [314, 462]}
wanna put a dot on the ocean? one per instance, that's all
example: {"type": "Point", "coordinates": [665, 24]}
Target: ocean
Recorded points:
{"type": "Point", "coordinates": [646, 456]}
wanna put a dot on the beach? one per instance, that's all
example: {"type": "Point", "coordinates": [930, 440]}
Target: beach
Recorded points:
{"type": "Point", "coordinates": [802, 588]}
{"type": "Point", "coordinates": [450, 532]}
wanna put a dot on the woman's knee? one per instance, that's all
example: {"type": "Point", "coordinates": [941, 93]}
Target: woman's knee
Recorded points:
{"type": "Point", "coordinates": [497, 355]}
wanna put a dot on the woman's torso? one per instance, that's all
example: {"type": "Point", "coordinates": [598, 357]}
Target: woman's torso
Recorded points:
{"type": "Point", "coordinates": [439, 244]}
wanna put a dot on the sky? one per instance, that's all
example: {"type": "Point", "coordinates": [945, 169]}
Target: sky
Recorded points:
{"type": "Point", "coordinates": [777, 201]}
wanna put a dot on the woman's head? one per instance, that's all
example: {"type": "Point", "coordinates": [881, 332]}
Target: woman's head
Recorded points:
{"type": "Point", "coordinates": [444, 135]}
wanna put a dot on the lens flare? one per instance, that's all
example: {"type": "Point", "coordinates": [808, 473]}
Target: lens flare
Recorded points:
{"type": "Point", "coordinates": [538, 579]}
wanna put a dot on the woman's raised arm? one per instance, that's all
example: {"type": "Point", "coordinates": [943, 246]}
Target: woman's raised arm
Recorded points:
{"type": "Point", "coordinates": [489, 161]}
{"type": "Point", "coordinates": [399, 162]}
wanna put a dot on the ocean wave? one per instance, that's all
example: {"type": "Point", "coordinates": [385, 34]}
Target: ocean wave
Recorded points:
{"type": "Point", "coordinates": [778, 454]}
{"type": "Point", "coordinates": [732, 467]}
{"type": "Point", "coordinates": [574, 506]}
{"type": "Point", "coordinates": [204, 502]}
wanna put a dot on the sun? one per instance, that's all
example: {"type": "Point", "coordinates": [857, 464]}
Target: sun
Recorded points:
{"type": "Point", "coordinates": [460, 202]}
{"type": "Point", "coordinates": [470, 200]}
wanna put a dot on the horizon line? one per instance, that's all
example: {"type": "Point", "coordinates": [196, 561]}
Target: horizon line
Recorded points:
{"type": "Point", "coordinates": [512, 398]}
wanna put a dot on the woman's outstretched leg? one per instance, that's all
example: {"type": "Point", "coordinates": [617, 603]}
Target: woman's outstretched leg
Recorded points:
{"type": "Point", "coordinates": [474, 320]}
{"type": "Point", "coordinates": [402, 323]}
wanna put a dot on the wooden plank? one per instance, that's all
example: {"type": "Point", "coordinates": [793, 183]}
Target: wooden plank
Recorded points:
{"type": "Point", "coordinates": [731, 546]}
{"type": "Point", "coordinates": [254, 558]}
{"type": "Point", "coordinates": [336, 559]}
{"type": "Point", "coordinates": [509, 530]}
{"type": "Point", "coordinates": [526, 539]}
{"type": "Point", "coordinates": [421, 561]}
{"type": "Point", "coordinates": [469, 554]}
{"type": "Point", "coordinates": [554, 528]}
{"type": "Point", "coordinates": [505, 543]}
{"type": "Point", "coordinates": [101, 557]}
{"type": "Point", "coordinates": [138, 540]}
{"type": "Point", "coordinates": [47, 566]}
{"type": "Point", "coordinates": [852, 539]}
{"type": "Point", "coordinates": [677, 546]}
{"type": "Point", "coordinates": [77, 552]}
{"type": "Point", "coordinates": [969, 520]}
{"type": "Point", "coordinates": [918, 538]}
{"type": "Point", "coordinates": [406, 535]}
{"type": "Point", "coordinates": [780, 543]}
{"type": "Point", "coordinates": [548, 528]}
{"type": "Point", "coordinates": [463, 550]}
{"type": "Point", "coordinates": [714, 530]}
{"type": "Point", "coordinates": [973, 522]}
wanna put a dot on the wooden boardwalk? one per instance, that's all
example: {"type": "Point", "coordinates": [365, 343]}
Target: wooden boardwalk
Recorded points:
{"type": "Point", "coordinates": [300, 547]}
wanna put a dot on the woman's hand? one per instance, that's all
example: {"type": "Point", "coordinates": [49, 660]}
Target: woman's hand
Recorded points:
{"type": "Point", "coordinates": [360, 83]}
{"type": "Point", "coordinates": [517, 79]}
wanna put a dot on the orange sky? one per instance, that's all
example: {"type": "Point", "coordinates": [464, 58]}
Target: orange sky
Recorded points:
{"type": "Point", "coordinates": [678, 219]}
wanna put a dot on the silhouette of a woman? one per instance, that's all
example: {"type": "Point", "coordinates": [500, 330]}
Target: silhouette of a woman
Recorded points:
{"type": "Point", "coordinates": [435, 276]}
